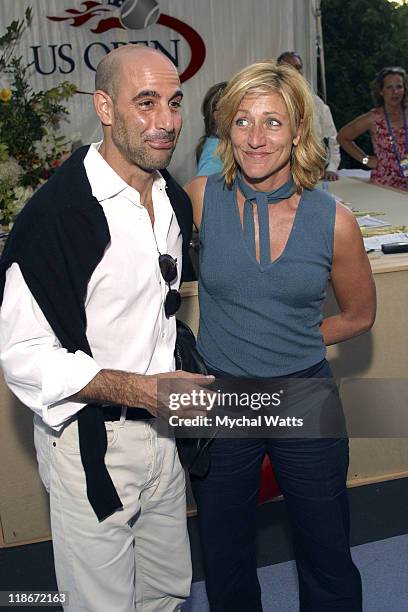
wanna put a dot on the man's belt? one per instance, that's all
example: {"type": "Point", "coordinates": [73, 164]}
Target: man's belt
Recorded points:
{"type": "Point", "coordinates": [113, 413]}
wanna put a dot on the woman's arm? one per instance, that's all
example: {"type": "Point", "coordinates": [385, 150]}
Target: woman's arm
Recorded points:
{"type": "Point", "coordinates": [352, 282]}
{"type": "Point", "coordinates": [195, 189]}
{"type": "Point", "coordinates": [350, 132]}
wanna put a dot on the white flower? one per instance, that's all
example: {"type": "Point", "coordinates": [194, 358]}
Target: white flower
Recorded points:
{"type": "Point", "coordinates": [44, 147]}
{"type": "Point", "coordinates": [22, 195]}
{"type": "Point", "coordinates": [10, 170]}
{"type": "Point", "coordinates": [50, 145]}
{"type": "Point", "coordinates": [75, 137]}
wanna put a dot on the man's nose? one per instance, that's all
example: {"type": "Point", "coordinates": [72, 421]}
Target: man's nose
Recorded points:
{"type": "Point", "coordinates": [165, 118]}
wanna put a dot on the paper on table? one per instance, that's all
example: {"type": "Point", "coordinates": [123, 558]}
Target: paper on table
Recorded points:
{"type": "Point", "coordinates": [375, 242]}
{"type": "Point", "coordinates": [370, 213]}
{"type": "Point", "coordinates": [369, 221]}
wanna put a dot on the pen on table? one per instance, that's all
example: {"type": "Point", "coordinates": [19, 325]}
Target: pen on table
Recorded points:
{"type": "Point", "coordinates": [370, 251]}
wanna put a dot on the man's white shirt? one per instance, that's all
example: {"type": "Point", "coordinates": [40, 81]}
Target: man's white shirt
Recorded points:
{"type": "Point", "coordinates": [126, 325]}
{"type": "Point", "coordinates": [325, 129]}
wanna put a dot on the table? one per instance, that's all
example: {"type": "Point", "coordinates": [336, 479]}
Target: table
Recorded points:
{"type": "Point", "coordinates": [364, 195]}
{"type": "Point", "coordinates": [383, 352]}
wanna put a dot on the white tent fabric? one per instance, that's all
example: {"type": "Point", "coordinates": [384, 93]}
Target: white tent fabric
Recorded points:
{"type": "Point", "coordinates": [235, 33]}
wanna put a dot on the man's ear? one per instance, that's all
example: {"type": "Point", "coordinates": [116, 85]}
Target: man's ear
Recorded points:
{"type": "Point", "coordinates": [103, 106]}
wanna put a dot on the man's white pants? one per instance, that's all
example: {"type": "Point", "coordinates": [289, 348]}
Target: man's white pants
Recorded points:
{"type": "Point", "coordinates": [139, 557]}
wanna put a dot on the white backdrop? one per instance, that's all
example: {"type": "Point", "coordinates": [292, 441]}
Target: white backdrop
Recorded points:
{"type": "Point", "coordinates": [235, 33]}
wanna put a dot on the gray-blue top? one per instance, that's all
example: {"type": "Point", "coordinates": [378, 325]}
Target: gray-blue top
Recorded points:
{"type": "Point", "coordinates": [263, 320]}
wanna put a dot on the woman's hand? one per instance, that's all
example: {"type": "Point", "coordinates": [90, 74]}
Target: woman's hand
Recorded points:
{"type": "Point", "coordinates": [352, 282]}
{"type": "Point", "coordinates": [372, 162]}
{"type": "Point", "coordinates": [349, 132]}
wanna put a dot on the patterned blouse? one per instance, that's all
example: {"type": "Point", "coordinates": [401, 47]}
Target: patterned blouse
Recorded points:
{"type": "Point", "coordinates": [387, 171]}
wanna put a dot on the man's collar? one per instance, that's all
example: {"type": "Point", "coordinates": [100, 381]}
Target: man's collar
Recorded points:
{"type": "Point", "coordinates": [105, 182]}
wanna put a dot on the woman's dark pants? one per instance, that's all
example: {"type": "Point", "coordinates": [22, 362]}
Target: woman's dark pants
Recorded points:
{"type": "Point", "coordinates": [312, 477]}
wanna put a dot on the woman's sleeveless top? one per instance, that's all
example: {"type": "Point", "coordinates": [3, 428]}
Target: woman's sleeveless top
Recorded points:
{"type": "Point", "coordinates": [387, 171]}
{"type": "Point", "coordinates": [263, 321]}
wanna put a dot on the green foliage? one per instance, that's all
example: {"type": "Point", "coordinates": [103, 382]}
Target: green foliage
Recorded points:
{"type": "Point", "coordinates": [360, 38]}
{"type": "Point", "coordinates": [13, 34]}
{"type": "Point", "coordinates": [31, 144]}
{"type": "Point", "coordinates": [27, 117]}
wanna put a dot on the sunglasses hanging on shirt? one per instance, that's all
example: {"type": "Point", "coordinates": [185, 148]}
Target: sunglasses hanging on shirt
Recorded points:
{"type": "Point", "coordinates": [168, 269]}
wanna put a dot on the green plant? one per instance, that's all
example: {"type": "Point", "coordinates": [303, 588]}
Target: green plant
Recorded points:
{"type": "Point", "coordinates": [31, 143]}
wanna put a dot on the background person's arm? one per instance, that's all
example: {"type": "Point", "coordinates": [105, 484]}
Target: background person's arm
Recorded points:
{"type": "Point", "coordinates": [195, 189]}
{"type": "Point", "coordinates": [352, 282]}
{"type": "Point", "coordinates": [349, 132]}
{"type": "Point", "coordinates": [333, 154]}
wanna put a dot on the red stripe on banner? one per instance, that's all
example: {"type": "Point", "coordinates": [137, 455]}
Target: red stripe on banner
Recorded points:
{"type": "Point", "coordinates": [81, 17]}
{"type": "Point", "coordinates": [58, 18]}
{"type": "Point", "coordinates": [195, 41]}
{"type": "Point", "coordinates": [107, 24]}
{"type": "Point", "coordinates": [89, 4]}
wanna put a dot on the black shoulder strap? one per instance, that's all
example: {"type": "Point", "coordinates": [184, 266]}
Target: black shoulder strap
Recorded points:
{"type": "Point", "coordinates": [184, 213]}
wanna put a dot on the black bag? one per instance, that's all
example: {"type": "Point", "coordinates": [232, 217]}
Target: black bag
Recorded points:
{"type": "Point", "coordinates": [186, 355]}
{"type": "Point", "coordinates": [193, 452]}
{"type": "Point", "coordinates": [194, 253]}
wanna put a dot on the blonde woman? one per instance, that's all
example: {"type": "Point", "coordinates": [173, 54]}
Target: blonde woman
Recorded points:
{"type": "Point", "coordinates": [269, 240]}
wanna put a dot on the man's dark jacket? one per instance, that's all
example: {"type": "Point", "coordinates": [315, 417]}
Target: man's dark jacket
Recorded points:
{"type": "Point", "coordinates": [58, 240]}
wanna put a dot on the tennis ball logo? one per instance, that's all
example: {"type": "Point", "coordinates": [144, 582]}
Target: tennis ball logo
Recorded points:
{"type": "Point", "coordinates": [139, 14]}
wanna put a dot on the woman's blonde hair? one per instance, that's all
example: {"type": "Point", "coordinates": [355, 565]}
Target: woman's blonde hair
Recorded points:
{"type": "Point", "coordinates": [308, 156]}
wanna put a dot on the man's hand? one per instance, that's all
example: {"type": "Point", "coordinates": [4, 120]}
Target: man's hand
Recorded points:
{"type": "Point", "coordinates": [142, 391]}
{"type": "Point", "coordinates": [157, 388]}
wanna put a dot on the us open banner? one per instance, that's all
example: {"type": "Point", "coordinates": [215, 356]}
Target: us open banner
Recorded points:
{"type": "Point", "coordinates": [208, 41]}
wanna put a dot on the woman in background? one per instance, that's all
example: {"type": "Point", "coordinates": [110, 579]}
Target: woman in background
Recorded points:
{"type": "Point", "coordinates": [207, 160]}
{"type": "Point", "coordinates": [269, 241]}
{"type": "Point", "coordinates": [387, 123]}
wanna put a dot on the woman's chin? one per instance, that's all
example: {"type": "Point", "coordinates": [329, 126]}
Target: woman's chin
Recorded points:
{"type": "Point", "coordinates": [260, 175]}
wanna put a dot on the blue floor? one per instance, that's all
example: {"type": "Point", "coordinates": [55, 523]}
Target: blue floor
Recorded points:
{"type": "Point", "coordinates": [384, 571]}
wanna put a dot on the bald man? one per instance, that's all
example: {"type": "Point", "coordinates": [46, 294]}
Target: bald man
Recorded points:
{"type": "Point", "coordinates": [89, 279]}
